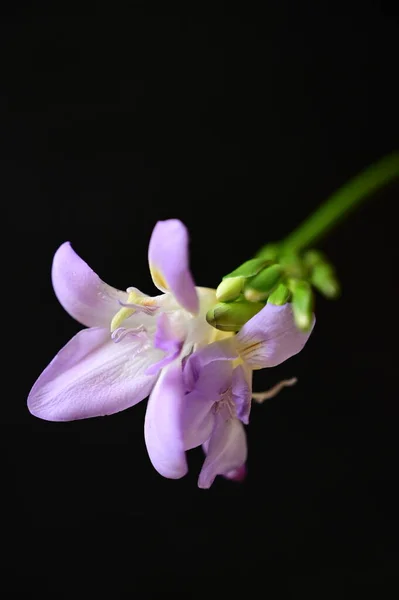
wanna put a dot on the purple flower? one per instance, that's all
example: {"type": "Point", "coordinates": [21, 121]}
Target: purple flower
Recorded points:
{"type": "Point", "coordinates": [133, 344]}
{"type": "Point", "coordinates": [199, 379]}
{"type": "Point", "coordinates": [209, 399]}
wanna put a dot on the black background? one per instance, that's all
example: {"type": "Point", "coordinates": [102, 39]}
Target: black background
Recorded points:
{"type": "Point", "coordinates": [239, 124]}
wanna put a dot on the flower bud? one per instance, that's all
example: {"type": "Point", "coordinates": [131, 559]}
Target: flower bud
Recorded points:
{"type": "Point", "coordinates": [281, 295]}
{"type": "Point", "coordinates": [325, 281]}
{"type": "Point", "coordinates": [269, 252]}
{"type": "Point", "coordinates": [262, 284]}
{"type": "Point", "coordinates": [302, 303]}
{"type": "Point", "coordinates": [231, 316]}
{"type": "Point", "coordinates": [311, 258]}
{"type": "Point", "coordinates": [232, 284]}
{"type": "Point", "coordinates": [230, 288]}
{"type": "Point", "coordinates": [292, 264]}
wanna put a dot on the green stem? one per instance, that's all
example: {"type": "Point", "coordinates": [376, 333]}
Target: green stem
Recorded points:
{"type": "Point", "coordinates": [342, 201]}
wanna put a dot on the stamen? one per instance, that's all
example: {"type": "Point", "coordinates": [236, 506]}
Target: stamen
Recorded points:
{"type": "Point", "coordinates": [136, 302]}
{"type": "Point", "coordinates": [226, 401]}
{"type": "Point", "coordinates": [262, 396]}
{"type": "Point", "coordinates": [120, 333]}
{"type": "Point", "coordinates": [148, 310]}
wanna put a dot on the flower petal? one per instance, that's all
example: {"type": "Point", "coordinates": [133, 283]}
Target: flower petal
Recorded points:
{"type": "Point", "coordinates": [242, 394]}
{"type": "Point", "coordinates": [167, 340]}
{"type": "Point", "coordinates": [270, 337]}
{"type": "Point", "coordinates": [222, 351]}
{"type": "Point", "coordinates": [92, 376]}
{"type": "Point", "coordinates": [162, 427]}
{"type": "Point", "coordinates": [169, 262]}
{"type": "Point", "coordinates": [81, 292]}
{"type": "Point", "coordinates": [198, 415]}
{"type": "Point", "coordinates": [226, 451]}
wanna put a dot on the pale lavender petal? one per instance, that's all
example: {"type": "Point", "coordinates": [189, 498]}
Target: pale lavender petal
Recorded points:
{"type": "Point", "coordinates": [162, 427]}
{"type": "Point", "coordinates": [92, 376]}
{"type": "Point", "coordinates": [224, 350]}
{"type": "Point", "coordinates": [226, 450]}
{"type": "Point", "coordinates": [242, 394]}
{"type": "Point", "coordinates": [81, 292]}
{"type": "Point", "coordinates": [167, 340]}
{"type": "Point", "coordinates": [198, 418]}
{"type": "Point", "coordinates": [237, 474]}
{"type": "Point", "coordinates": [198, 409]}
{"type": "Point", "coordinates": [169, 262]}
{"type": "Point", "coordinates": [270, 337]}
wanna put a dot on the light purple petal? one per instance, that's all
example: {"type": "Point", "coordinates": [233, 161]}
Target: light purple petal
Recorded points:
{"type": "Point", "coordinates": [197, 419]}
{"type": "Point", "coordinates": [81, 292]}
{"type": "Point", "coordinates": [198, 410]}
{"type": "Point", "coordinates": [92, 376]}
{"type": "Point", "coordinates": [165, 339]}
{"type": "Point", "coordinates": [169, 263]}
{"type": "Point", "coordinates": [270, 337]}
{"type": "Point", "coordinates": [242, 394]}
{"type": "Point", "coordinates": [162, 427]}
{"type": "Point", "coordinates": [226, 451]}
{"type": "Point", "coordinates": [224, 350]}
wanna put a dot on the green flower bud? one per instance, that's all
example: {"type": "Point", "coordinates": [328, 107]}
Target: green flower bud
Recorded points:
{"type": "Point", "coordinates": [231, 316]}
{"type": "Point", "coordinates": [262, 284]}
{"type": "Point", "coordinates": [302, 303]}
{"type": "Point", "coordinates": [325, 281]}
{"type": "Point", "coordinates": [230, 288]}
{"type": "Point", "coordinates": [269, 252]}
{"type": "Point", "coordinates": [232, 284]}
{"type": "Point", "coordinates": [292, 264]}
{"type": "Point", "coordinates": [248, 269]}
{"type": "Point", "coordinates": [311, 258]}
{"type": "Point", "coordinates": [281, 295]}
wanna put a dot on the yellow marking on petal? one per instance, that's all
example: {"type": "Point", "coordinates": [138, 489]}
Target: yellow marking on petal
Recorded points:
{"type": "Point", "coordinates": [125, 312]}
{"type": "Point", "coordinates": [237, 362]}
{"type": "Point", "coordinates": [158, 278]}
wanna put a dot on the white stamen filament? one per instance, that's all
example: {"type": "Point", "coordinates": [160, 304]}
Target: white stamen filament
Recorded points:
{"type": "Point", "coordinates": [120, 333]}
{"type": "Point", "coordinates": [262, 396]}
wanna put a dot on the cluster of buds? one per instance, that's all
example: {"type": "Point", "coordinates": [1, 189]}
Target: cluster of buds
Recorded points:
{"type": "Point", "coordinates": [277, 275]}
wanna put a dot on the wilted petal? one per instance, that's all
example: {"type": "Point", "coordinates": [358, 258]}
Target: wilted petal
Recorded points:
{"type": "Point", "coordinates": [226, 451]}
{"type": "Point", "coordinates": [165, 339]}
{"type": "Point", "coordinates": [237, 474]}
{"type": "Point", "coordinates": [169, 262]}
{"type": "Point", "coordinates": [92, 376]}
{"type": "Point", "coordinates": [162, 427]}
{"type": "Point", "coordinates": [81, 292]}
{"type": "Point", "coordinates": [242, 394]}
{"type": "Point", "coordinates": [270, 337]}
